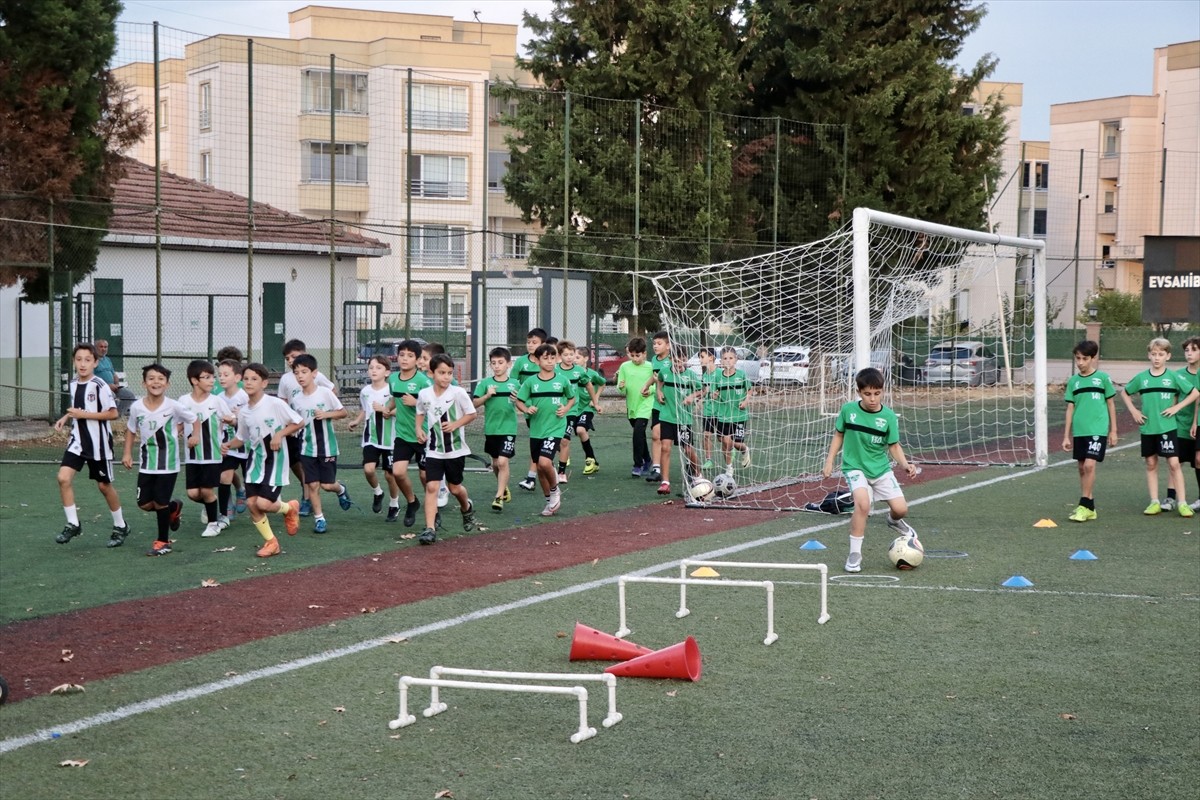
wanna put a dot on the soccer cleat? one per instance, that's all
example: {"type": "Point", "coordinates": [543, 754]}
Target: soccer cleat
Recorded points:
{"type": "Point", "coordinates": [637, 471]}
{"type": "Point", "coordinates": [746, 457]}
{"type": "Point", "coordinates": [240, 505]}
{"type": "Point", "coordinates": [654, 475]}
{"type": "Point", "coordinates": [211, 529]}
{"type": "Point", "coordinates": [900, 526]}
{"type": "Point", "coordinates": [1168, 504]}
{"type": "Point", "coordinates": [176, 512]}
{"type": "Point", "coordinates": [222, 522]}
{"type": "Point", "coordinates": [853, 562]}
{"type": "Point", "coordinates": [498, 504]}
{"type": "Point", "coordinates": [410, 513]}
{"type": "Point", "coordinates": [527, 484]}
{"type": "Point", "coordinates": [1186, 511]}
{"type": "Point", "coordinates": [428, 536]}
{"type": "Point", "coordinates": [305, 508]}
{"type": "Point", "coordinates": [68, 533]}
{"type": "Point", "coordinates": [664, 487]}
{"type": "Point", "coordinates": [159, 548]}
{"type": "Point", "coordinates": [469, 517]}
{"type": "Point", "coordinates": [117, 538]}
{"type": "Point", "coordinates": [707, 464]}
{"type": "Point", "coordinates": [291, 520]}
{"type": "Point", "coordinates": [563, 477]}
{"type": "Point", "coordinates": [1082, 514]}
{"type": "Point", "coordinates": [553, 504]}
{"type": "Point", "coordinates": [443, 495]}
{"type": "Point", "coordinates": [393, 514]}
{"type": "Point", "coordinates": [344, 499]}
{"type": "Point", "coordinates": [590, 467]}
{"type": "Point", "coordinates": [1152, 509]}
{"type": "Point", "coordinates": [320, 526]}
{"type": "Point", "coordinates": [269, 548]}
{"type": "Point", "coordinates": [203, 515]}
{"type": "Point", "coordinates": [377, 503]}
{"type": "Point", "coordinates": [507, 495]}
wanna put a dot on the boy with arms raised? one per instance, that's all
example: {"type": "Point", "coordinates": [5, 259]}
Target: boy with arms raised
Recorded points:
{"type": "Point", "coordinates": [1091, 425]}
{"type": "Point", "coordinates": [202, 475]}
{"type": "Point", "coordinates": [443, 411]}
{"type": "Point", "coordinates": [405, 384]}
{"type": "Point", "coordinates": [496, 394]}
{"type": "Point", "coordinates": [867, 434]}
{"type": "Point", "coordinates": [233, 462]}
{"type": "Point", "coordinates": [154, 421]}
{"type": "Point", "coordinates": [1163, 395]}
{"type": "Point", "coordinates": [730, 389]}
{"type": "Point", "coordinates": [379, 435]}
{"type": "Point", "coordinates": [632, 377]}
{"type": "Point", "coordinates": [93, 407]}
{"type": "Point", "coordinates": [264, 424]}
{"type": "Point", "coordinates": [525, 367]}
{"type": "Point", "coordinates": [546, 400]}
{"type": "Point", "coordinates": [319, 407]}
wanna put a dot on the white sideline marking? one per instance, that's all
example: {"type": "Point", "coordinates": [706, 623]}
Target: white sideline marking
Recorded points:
{"type": "Point", "coordinates": [203, 690]}
{"type": "Point", "coordinates": [981, 590]}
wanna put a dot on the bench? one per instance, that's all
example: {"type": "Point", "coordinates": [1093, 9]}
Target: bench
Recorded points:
{"type": "Point", "coordinates": [349, 378]}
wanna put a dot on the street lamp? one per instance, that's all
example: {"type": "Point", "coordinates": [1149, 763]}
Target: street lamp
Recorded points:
{"type": "Point", "coordinates": [1092, 310]}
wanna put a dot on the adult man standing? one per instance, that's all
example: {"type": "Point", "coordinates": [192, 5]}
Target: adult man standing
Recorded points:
{"type": "Point", "coordinates": [105, 371]}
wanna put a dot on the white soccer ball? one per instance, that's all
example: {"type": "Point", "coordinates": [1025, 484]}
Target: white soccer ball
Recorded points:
{"type": "Point", "coordinates": [701, 490]}
{"type": "Point", "coordinates": [724, 485]}
{"type": "Point", "coordinates": [906, 552]}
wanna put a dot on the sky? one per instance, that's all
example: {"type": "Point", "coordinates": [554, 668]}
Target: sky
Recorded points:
{"type": "Point", "coordinates": [1061, 50]}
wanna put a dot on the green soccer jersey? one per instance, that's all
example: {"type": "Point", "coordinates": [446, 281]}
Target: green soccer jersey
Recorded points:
{"type": "Point", "coordinates": [867, 436]}
{"type": "Point", "coordinates": [1158, 392]}
{"type": "Point", "coordinates": [709, 409]}
{"type": "Point", "coordinates": [631, 378]}
{"type": "Point", "coordinates": [524, 367]}
{"type": "Point", "coordinates": [1184, 418]}
{"type": "Point", "coordinates": [578, 378]}
{"type": "Point", "coordinates": [406, 415]}
{"type": "Point", "coordinates": [547, 396]}
{"type": "Point", "coordinates": [661, 367]}
{"type": "Point", "coordinates": [730, 391]}
{"type": "Point", "coordinates": [1089, 394]}
{"type": "Point", "coordinates": [676, 386]}
{"type": "Point", "coordinates": [499, 413]}
{"type": "Point", "coordinates": [583, 403]}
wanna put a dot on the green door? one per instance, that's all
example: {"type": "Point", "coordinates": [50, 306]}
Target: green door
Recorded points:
{"type": "Point", "coordinates": [516, 326]}
{"type": "Point", "coordinates": [108, 316]}
{"type": "Point", "coordinates": [274, 305]}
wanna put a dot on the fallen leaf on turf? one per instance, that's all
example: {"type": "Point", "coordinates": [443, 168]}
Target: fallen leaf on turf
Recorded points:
{"type": "Point", "coordinates": [66, 688]}
{"type": "Point", "coordinates": [394, 736]}
{"type": "Point", "coordinates": [230, 674]}
{"type": "Point", "coordinates": [554, 543]}
{"type": "Point", "coordinates": [408, 536]}
{"type": "Point", "coordinates": [340, 709]}
{"type": "Point", "coordinates": [370, 610]}
{"type": "Point", "coordinates": [537, 583]}
{"type": "Point", "coordinates": [595, 561]}
{"type": "Point", "coordinates": [398, 639]}
{"type": "Point", "coordinates": [644, 533]}
{"type": "Point", "coordinates": [70, 762]}
{"type": "Point", "coordinates": [322, 722]}
{"type": "Point", "coordinates": [444, 793]}
{"type": "Point", "coordinates": [1067, 716]}
{"type": "Point", "coordinates": [374, 559]}
{"type": "Point", "coordinates": [67, 655]}
{"type": "Point", "coordinates": [560, 634]}
{"type": "Point", "coordinates": [314, 606]}
{"type": "Point", "coordinates": [672, 693]}
{"type": "Point", "coordinates": [951, 697]}
{"type": "Point", "coordinates": [208, 583]}
{"type": "Point", "coordinates": [229, 549]}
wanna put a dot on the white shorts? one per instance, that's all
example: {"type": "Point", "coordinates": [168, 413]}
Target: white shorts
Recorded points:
{"type": "Point", "coordinates": [885, 487]}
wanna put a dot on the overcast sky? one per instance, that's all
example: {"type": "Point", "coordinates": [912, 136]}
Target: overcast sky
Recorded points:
{"type": "Point", "coordinates": [1061, 50]}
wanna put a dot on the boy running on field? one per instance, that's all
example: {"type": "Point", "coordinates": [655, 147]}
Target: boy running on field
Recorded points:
{"type": "Point", "coordinates": [379, 435]}
{"type": "Point", "coordinates": [406, 383]}
{"type": "Point", "coordinates": [154, 421]}
{"type": "Point", "coordinates": [678, 388]}
{"type": "Point", "coordinates": [546, 400]}
{"type": "Point", "coordinates": [730, 389]}
{"type": "Point", "coordinates": [319, 407]}
{"type": "Point", "coordinates": [496, 394]}
{"type": "Point", "coordinates": [203, 471]}
{"type": "Point", "coordinates": [287, 389]}
{"type": "Point", "coordinates": [632, 376]}
{"type": "Point", "coordinates": [588, 406]}
{"type": "Point", "coordinates": [443, 412]}
{"type": "Point", "coordinates": [525, 367]}
{"type": "Point", "coordinates": [577, 374]}
{"type": "Point", "coordinates": [233, 463]}
{"type": "Point", "coordinates": [867, 435]}
{"type": "Point", "coordinates": [428, 351]}
{"type": "Point", "coordinates": [1091, 425]}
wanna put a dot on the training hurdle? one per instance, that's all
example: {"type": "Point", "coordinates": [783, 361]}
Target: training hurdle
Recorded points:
{"type": "Point", "coordinates": [436, 707]}
{"type": "Point", "coordinates": [405, 719]}
{"type": "Point", "coordinates": [686, 564]}
{"type": "Point", "coordinates": [770, 587]}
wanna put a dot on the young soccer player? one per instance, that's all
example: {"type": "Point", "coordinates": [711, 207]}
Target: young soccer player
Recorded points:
{"type": "Point", "coordinates": [443, 412]}
{"type": "Point", "coordinates": [1185, 431]}
{"type": "Point", "coordinates": [202, 475]}
{"type": "Point", "coordinates": [264, 424]}
{"type": "Point", "coordinates": [867, 434]}
{"type": "Point", "coordinates": [496, 394]}
{"type": "Point", "coordinates": [677, 389]}
{"type": "Point", "coordinates": [93, 407]}
{"type": "Point", "coordinates": [588, 406]}
{"type": "Point", "coordinates": [379, 435]}
{"type": "Point", "coordinates": [1163, 395]}
{"type": "Point", "coordinates": [405, 384]}
{"type": "Point", "coordinates": [1091, 425]}
{"type": "Point", "coordinates": [631, 382]}
{"type": "Point", "coordinates": [319, 407]}
{"type": "Point", "coordinates": [730, 389]}
{"type": "Point", "coordinates": [577, 375]}
{"type": "Point", "coordinates": [154, 421]}
{"type": "Point", "coordinates": [233, 462]}
{"type": "Point", "coordinates": [287, 389]}
{"type": "Point", "coordinates": [428, 351]}
{"type": "Point", "coordinates": [525, 367]}
{"type": "Point", "coordinates": [546, 400]}
{"type": "Point", "coordinates": [660, 361]}
{"type": "Point", "coordinates": [708, 409]}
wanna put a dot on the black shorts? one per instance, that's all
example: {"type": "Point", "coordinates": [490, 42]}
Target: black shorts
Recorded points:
{"type": "Point", "coordinates": [710, 424]}
{"type": "Point", "coordinates": [654, 417]}
{"type": "Point", "coordinates": [233, 462]}
{"type": "Point", "coordinates": [319, 469]}
{"type": "Point", "coordinates": [1187, 451]}
{"type": "Point", "coordinates": [156, 487]}
{"type": "Point", "coordinates": [542, 448]}
{"type": "Point", "coordinates": [1160, 444]}
{"type": "Point", "coordinates": [405, 452]}
{"type": "Point", "coordinates": [99, 471]}
{"type": "Point", "coordinates": [674, 432]}
{"type": "Point", "coordinates": [498, 445]}
{"type": "Point", "coordinates": [202, 476]}
{"type": "Point", "coordinates": [736, 430]}
{"type": "Point", "coordinates": [585, 420]}
{"type": "Point", "coordinates": [293, 446]}
{"type": "Point", "coordinates": [449, 468]}
{"type": "Point", "coordinates": [571, 421]}
{"type": "Point", "coordinates": [377, 455]}
{"type": "Point", "coordinates": [264, 490]}
{"type": "Point", "coordinates": [1090, 447]}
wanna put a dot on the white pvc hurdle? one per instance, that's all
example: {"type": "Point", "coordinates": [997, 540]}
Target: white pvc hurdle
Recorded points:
{"type": "Point", "coordinates": [436, 707]}
{"type": "Point", "coordinates": [770, 587]}
{"type": "Point", "coordinates": [686, 564]}
{"type": "Point", "coordinates": [580, 693]}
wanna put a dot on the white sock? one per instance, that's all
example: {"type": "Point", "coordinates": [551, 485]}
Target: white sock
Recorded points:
{"type": "Point", "coordinates": [72, 514]}
{"type": "Point", "coordinates": [119, 518]}
{"type": "Point", "coordinates": [532, 475]}
{"type": "Point", "coordinates": [319, 516]}
{"type": "Point", "coordinates": [378, 491]}
{"type": "Point", "coordinates": [856, 544]}
{"type": "Point", "coordinates": [394, 502]}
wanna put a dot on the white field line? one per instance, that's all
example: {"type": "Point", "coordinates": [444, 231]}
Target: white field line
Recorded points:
{"type": "Point", "coordinates": [979, 590]}
{"type": "Point", "coordinates": [203, 690]}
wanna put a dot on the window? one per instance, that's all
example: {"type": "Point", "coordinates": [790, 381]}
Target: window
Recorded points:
{"type": "Point", "coordinates": [438, 176]}
{"type": "Point", "coordinates": [163, 116]}
{"type": "Point", "coordinates": [1039, 222]}
{"type": "Point", "coordinates": [349, 92]}
{"type": "Point", "coordinates": [433, 313]}
{"type": "Point", "coordinates": [439, 107]}
{"type": "Point", "coordinates": [206, 106]}
{"type": "Point", "coordinates": [1110, 202]}
{"type": "Point", "coordinates": [497, 169]}
{"type": "Point", "coordinates": [516, 245]}
{"type": "Point", "coordinates": [438, 246]}
{"type": "Point", "coordinates": [1110, 138]}
{"type": "Point", "coordinates": [1039, 171]}
{"type": "Point", "coordinates": [499, 107]}
{"type": "Point", "coordinates": [206, 167]}
{"type": "Point", "coordinates": [350, 162]}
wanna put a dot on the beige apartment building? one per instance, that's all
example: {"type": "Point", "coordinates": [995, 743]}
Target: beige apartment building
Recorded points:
{"type": "Point", "coordinates": [411, 141]}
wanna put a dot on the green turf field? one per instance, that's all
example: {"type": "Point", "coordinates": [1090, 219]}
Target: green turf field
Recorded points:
{"type": "Point", "coordinates": [935, 683]}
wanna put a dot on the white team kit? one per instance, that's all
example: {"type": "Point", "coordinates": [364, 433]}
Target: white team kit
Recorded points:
{"type": "Point", "coordinates": [209, 412]}
{"type": "Point", "coordinates": [235, 403]}
{"type": "Point", "coordinates": [256, 425]}
{"type": "Point", "coordinates": [289, 387]}
{"type": "Point", "coordinates": [159, 450]}
{"type": "Point", "coordinates": [91, 438]}
{"type": "Point", "coordinates": [450, 406]}
{"type": "Point", "coordinates": [317, 438]}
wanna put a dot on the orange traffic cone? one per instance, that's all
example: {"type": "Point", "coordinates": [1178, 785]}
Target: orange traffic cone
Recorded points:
{"type": "Point", "coordinates": [677, 661]}
{"type": "Point", "coordinates": [589, 644]}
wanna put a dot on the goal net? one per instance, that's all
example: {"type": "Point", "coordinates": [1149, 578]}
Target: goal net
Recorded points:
{"type": "Point", "coordinates": [954, 319]}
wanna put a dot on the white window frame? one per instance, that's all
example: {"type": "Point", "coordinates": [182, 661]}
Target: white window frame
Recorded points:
{"type": "Point", "coordinates": [497, 168]}
{"type": "Point", "coordinates": [164, 114]}
{"type": "Point", "coordinates": [351, 164]}
{"type": "Point", "coordinates": [454, 187]}
{"type": "Point", "coordinates": [437, 245]}
{"type": "Point", "coordinates": [206, 167]}
{"type": "Point", "coordinates": [435, 317]}
{"type": "Point", "coordinates": [1110, 139]}
{"type": "Point", "coordinates": [205, 105]}
{"type": "Point", "coordinates": [440, 107]}
{"type": "Point", "coordinates": [1036, 175]}
{"type": "Point", "coordinates": [349, 93]}
{"type": "Point", "coordinates": [515, 245]}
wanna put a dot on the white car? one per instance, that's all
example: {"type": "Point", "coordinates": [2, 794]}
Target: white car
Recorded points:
{"type": "Point", "coordinates": [785, 366]}
{"type": "Point", "coordinates": [747, 362]}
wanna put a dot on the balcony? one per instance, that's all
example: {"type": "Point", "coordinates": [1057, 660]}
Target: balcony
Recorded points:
{"type": "Point", "coordinates": [1110, 167]}
{"type": "Point", "coordinates": [1107, 223]}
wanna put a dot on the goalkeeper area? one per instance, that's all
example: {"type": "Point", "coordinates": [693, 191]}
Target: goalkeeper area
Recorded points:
{"type": "Point", "coordinates": [934, 308]}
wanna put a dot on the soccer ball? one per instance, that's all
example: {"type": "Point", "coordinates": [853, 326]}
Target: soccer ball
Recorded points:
{"type": "Point", "coordinates": [906, 552]}
{"type": "Point", "coordinates": [701, 490]}
{"type": "Point", "coordinates": [724, 485]}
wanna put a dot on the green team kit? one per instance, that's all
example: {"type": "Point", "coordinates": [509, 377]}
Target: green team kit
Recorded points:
{"type": "Point", "coordinates": [867, 435]}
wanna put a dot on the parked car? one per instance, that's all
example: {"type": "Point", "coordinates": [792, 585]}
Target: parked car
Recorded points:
{"type": "Point", "coordinates": [785, 366]}
{"type": "Point", "coordinates": [607, 359]}
{"type": "Point", "coordinates": [747, 361]}
{"type": "Point", "coordinates": [971, 363]}
{"type": "Point", "coordinates": [902, 367]}
{"type": "Point", "coordinates": [384, 347]}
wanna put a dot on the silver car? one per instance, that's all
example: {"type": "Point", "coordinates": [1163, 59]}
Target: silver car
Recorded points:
{"type": "Point", "coordinates": [972, 363]}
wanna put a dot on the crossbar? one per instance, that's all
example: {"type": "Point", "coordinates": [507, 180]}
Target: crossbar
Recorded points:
{"type": "Point", "coordinates": [684, 565]}
{"type": "Point", "coordinates": [770, 587]}
{"type": "Point", "coordinates": [609, 680]}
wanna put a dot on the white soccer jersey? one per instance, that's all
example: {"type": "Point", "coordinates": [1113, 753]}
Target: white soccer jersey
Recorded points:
{"type": "Point", "coordinates": [289, 387]}
{"type": "Point", "coordinates": [450, 406]}
{"type": "Point", "coordinates": [157, 430]}
{"type": "Point", "coordinates": [316, 437]}
{"type": "Point", "coordinates": [235, 402]}
{"type": "Point", "coordinates": [209, 413]}
{"type": "Point", "coordinates": [256, 425]}
{"type": "Point", "coordinates": [379, 430]}
{"type": "Point", "coordinates": [91, 438]}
